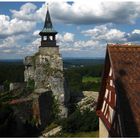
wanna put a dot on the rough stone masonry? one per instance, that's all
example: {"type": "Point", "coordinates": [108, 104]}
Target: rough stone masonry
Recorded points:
{"type": "Point", "coordinates": [46, 69]}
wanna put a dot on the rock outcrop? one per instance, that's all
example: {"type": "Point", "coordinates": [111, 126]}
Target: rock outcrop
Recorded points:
{"type": "Point", "coordinates": [89, 101]}
{"type": "Point", "coordinates": [45, 68]}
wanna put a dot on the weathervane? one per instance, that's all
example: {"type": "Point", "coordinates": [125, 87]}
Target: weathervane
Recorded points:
{"type": "Point", "coordinates": [47, 6]}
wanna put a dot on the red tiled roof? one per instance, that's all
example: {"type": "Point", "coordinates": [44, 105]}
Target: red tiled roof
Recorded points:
{"type": "Point", "coordinates": [125, 63]}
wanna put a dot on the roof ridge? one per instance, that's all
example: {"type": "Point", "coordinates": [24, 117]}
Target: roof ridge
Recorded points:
{"type": "Point", "coordinates": [124, 45]}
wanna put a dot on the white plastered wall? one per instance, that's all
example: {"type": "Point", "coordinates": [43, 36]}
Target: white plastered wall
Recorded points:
{"type": "Point", "coordinates": [103, 132]}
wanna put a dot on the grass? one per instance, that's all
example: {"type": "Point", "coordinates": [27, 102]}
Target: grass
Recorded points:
{"type": "Point", "coordinates": [94, 134]}
{"type": "Point", "coordinates": [96, 87]}
{"type": "Point", "coordinates": [91, 79]}
{"type": "Point", "coordinates": [91, 83]}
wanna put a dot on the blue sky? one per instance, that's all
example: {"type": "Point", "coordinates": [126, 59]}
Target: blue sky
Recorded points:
{"type": "Point", "coordinates": [84, 27]}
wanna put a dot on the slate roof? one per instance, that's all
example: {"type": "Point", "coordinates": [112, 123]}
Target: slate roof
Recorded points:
{"type": "Point", "coordinates": [125, 63]}
{"type": "Point", "coordinates": [48, 27]}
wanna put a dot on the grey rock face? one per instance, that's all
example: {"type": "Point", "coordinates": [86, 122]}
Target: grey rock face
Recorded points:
{"type": "Point", "coordinates": [29, 68]}
{"type": "Point", "coordinates": [14, 86]}
{"type": "Point", "coordinates": [46, 69]}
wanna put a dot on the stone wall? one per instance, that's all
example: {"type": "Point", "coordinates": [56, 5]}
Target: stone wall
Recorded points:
{"type": "Point", "coordinates": [14, 86]}
{"type": "Point", "coordinates": [49, 51]}
{"type": "Point", "coordinates": [46, 69]}
{"type": "Point", "coordinates": [29, 68]}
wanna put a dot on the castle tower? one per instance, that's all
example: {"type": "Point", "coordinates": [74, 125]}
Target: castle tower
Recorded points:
{"type": "Point", "coordinates": [45, 68]}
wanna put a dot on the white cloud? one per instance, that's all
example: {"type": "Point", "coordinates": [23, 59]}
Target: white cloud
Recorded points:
{"type": "Point", "coordinates": [21, 45]}
{"type": "Point", "coordinates": [14, 26]}
{"type": "Point", "coordinates": [134, 36]}
{"type": "Point", "coordinates": [7, 51]}
{"type": "Point", "coordinates": [105, 33]}
{"type": "Point", "coordinates": [96, 43]}
{"type": "Point", "coordinates": [36, 43]}
{"type": "Point", "coordinates": [136, 31]}
{"type": "Point", "coordinates": [83, 12]}
{"type": "Point", "coordinates": [19, 33]}
{"type": "Point", "coordinates": [88, 44]}
{"type": "Point", "coordinates": [4, 22]}
{"type": "Point", "coordinates": [41, 12]}
{"type": "Point", "coordinates": [26, 12]}
{"type": "Point", "coordinates": [29, 12]}
{"type": "Point", "coordinates": [74, 46]}
{"type": "Point", "coordinates": [68, 37]}
{"type": "Point", "coordinates": [9, 42]}
{"type": "Point", "coordinates": [36, 33]}
{"type": "Point", "coordinates": [18, 26]}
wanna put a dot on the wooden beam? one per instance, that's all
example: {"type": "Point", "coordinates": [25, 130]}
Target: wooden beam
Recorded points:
{"type": "Point", "coordinates": [109, 103]}
{"type": "Point", "coordinates": [103, 83]}
{"type": "Point", "coordinates": [104, 120]}
{"type": "Point", "coordinates": [110, 88]}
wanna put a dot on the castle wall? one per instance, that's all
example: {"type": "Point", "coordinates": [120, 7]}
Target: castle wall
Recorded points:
{"type": "Point", "coordinates": [49, 51]}
{"type": "Point", "coordinates": [46, 69]}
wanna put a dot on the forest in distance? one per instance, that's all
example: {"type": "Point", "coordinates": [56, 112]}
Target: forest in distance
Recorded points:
{"type": "Point", "coordinates": [75, 70]}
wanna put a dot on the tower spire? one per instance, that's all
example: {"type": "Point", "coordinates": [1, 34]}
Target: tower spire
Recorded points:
{"type": "Point", "coordinates": [48, 22]}
{"type": "Point", "coordinates": [48, 33]}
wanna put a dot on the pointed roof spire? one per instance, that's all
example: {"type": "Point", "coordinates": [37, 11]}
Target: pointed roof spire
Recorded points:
{"type": "Point", "coordinates": [48, 22]}
{"type": "Point", "coordinates": [48, 27]}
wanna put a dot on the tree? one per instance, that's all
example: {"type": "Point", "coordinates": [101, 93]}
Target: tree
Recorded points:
{"type": "Point", "coordinates": [81, 121]}
{"type": "Point", "coordinates": [6, 84]}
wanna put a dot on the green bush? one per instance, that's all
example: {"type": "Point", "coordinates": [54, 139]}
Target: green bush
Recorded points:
{"type": "Point", "coordinates": [30, 84]}
{"type": "Point", "coordinates": [11, 71]}
{"type": "Point", "coordinates": [74, 80]}
{"type": "Point", "coordinates": [84, 121]}
{"type": "Point", "coordinates": [91, 86]}
{"type": "Point", "coordinates": [88, 86]}
{"type": "Point", "coordinates": [6, 84]}
{"type": "Point", "coordinates": [55, 110]}
{"type": "Point", "coordinates": [7, 120]}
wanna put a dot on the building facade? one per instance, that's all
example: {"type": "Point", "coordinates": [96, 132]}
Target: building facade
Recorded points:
{"type": "Point", "coordinates": [118, 102]}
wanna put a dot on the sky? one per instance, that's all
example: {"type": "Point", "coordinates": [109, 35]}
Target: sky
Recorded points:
{"type": "Point", "coordinates": [84, 26]}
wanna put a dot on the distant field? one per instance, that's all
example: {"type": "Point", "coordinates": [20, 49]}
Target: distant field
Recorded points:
{"type": "Point", "coordinates": [91, 83]}
{"type": "Point", "coordinates": [82, 62]}
{"type": "Point", "coordinates": [91, 79]}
